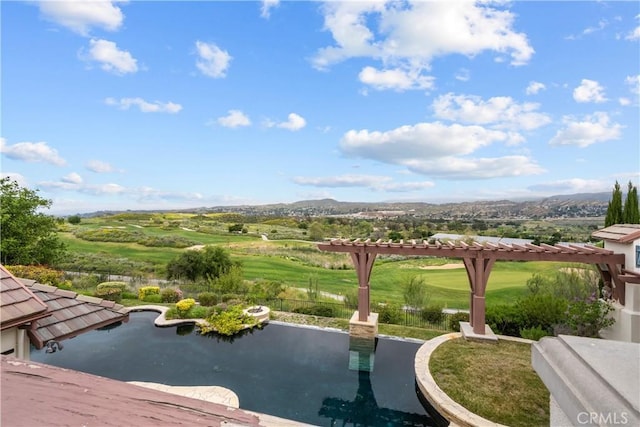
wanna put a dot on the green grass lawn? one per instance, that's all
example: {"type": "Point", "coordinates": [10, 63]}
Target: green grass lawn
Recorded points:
{"type": "Point", "coordinates": [495, 381]}
{"type": "Point", "coordinates": [294, 262]}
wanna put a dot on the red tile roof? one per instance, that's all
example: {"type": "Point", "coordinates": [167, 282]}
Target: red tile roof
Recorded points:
{"type": "Point", "coordinates": [71, 314]}
{"type": "Point", "coordinates": [35, 394]}
{"type": "Point", "coordinates": [621, 233]}
{"type": "Point", "coordinates": [53, 313]}
{"type": "Point", "coordinates": [18, 304]}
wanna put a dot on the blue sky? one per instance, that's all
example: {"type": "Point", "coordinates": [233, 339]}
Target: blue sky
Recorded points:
{"type": "Point", "coordinates": [166, 105]}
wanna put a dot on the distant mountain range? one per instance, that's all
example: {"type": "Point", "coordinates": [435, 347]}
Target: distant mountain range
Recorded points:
{"type": "Point", "coordinates": [582, 205]}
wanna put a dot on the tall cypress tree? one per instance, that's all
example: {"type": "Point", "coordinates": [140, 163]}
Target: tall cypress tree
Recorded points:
{"type": "Point", "coordinates": [631, 212]}
{"type": "Point", "coordinates": [614, 210]}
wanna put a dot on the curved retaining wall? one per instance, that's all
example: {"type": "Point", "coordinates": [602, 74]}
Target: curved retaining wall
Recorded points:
{"type": "Point", "coordinates": [456, 414]}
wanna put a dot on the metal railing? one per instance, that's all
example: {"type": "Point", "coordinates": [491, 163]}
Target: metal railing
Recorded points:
{"type": "Point", "coordinates": [428, 318]}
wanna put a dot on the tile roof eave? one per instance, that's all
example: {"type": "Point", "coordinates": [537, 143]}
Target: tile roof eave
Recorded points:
{"type": "Point", "coordinates": [39, 343]}
{"type": "Point", "coordinates": [26, 320]}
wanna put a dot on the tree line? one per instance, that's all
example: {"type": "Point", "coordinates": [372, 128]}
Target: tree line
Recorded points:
{"type": "Point", "coordinates": [619, 213]}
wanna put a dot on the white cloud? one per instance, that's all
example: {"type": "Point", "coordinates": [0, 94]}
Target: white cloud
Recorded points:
{"type": "Point", "coordinates": [635, 33]}
{"type": "Point", "coordinates": [436, 149]}
{"type": "Point", "coordinates": [98, 166]}
{"type": "Point", "coordinates": [104, 189]}
{"type": "Point", "coordinates": [373, 182]}
{"type": "Point", "coordinates": [234, 119]}
{"type": "Point", "coordinates": [80, 15]}
{"type": "Point", "coordinates": [602, 24]}
{"type": "Point", "coordinates": [500, 111]}
{"type": "Point", "coordinates": [147, 194]}
{"type": "Point", "coordinates": [535, 87]}
{"type": "Point", "coordinates": [111, 58]}
{"type": "Point", "coordinates": [573, 185]}
{"type": "Point", "coordinates": [475, 168]}
{"type": "Point", "coordinates": [72, 178]}
{"type": "Point", "coordinates": [396, 79]}
{"type": "Point", "coordinates": [31, 152]}
{"type": "Point", "coordinates": [593, 128]}
{"type": "Point", "coordinates": [295, 122]}
{"type": "Point", "coordinates": [343, 181]}
{"type": "Point", "coordinates": [267, 5]}
{"type": "Point", "coordinates": [212, 61]}
{"type": "Point", "coordinates": [589, 91]}
{"type": "Point", "coordinates": [463, 75]}
{"type": "Point", "coordinates": [409, 35]}
{"type": "Point", "coordinates": [634, 83]}
{"type": "Point", "coordinates": [144, 106]}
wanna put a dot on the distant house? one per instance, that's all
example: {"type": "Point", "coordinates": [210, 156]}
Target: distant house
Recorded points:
{"type": "Point", "coordinates": [42, 315]}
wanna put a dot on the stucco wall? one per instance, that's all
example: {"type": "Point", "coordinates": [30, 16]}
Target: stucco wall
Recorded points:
{"type": "Point", "coordinates": [15, 339]}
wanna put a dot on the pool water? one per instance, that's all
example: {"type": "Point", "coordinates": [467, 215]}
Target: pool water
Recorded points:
{"type": "Point", "coordinates": [292, 372]}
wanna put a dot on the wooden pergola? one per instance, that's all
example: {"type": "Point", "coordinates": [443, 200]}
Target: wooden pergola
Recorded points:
{"type": "Point", "coordinates": [478, 260]}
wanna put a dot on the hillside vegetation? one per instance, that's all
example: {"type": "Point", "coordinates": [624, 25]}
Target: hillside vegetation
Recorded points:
{"type": "Point", "coordinates": [140, 245]}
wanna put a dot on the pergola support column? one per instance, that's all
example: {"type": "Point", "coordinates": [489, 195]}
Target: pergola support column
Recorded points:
{"type": "Point", "coordinates": [363, 263]}
{"type": "Point", "coordinates": [478, 270]}
{"type": "Point", "coordinates": [363, 323]}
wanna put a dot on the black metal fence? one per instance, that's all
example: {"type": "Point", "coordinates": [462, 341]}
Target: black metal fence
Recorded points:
{"type": "Point", "coordinates": [427, 318]}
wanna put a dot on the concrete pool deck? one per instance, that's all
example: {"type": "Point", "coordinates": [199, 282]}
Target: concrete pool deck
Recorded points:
{"type": "Point", "coordinates": [162, 320]}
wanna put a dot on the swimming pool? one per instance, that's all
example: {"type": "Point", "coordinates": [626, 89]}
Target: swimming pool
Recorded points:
{"type": "Point", "coordinates": [291, 372]}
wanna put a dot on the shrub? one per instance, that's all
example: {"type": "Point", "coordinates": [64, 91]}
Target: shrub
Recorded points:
{"type": "Point", "coordinates": [122, 286]}
{"type": "Point", "coordinates": [199, 312]}
{"type": "Point", "coordinates": [228, 322]}
{"type": "Point", "coordinates": [111, 291]}
{"type": "Point", "coordinates": [85, 281]}
{"type": "Point", "coordinates": [171, 295]}
{"type": "Point", "coordinates": [432, 314]}
{"type": "Point", "coordinates": [389, 313]}
{"type": "Point", "coordinates": [183, 306]}
{"type": "Point", "coordinates": [153, 298]}
{"type": "Point", "coordinates": [232, 281]}
{"type": "Point", "coordinates": [456, 318]}
{"type": "Point", "coordinates": [505, 319]}
{"type": "Point", "coordinates": [207, 299]}
{"type": "Point", "coordinates": [533, 333]}
{"type": "Point", "coordinates": [587, 317]}
{"type": "Point", "coordinates": [44, 275]}
{"type": "Point", "coordinates": [542, 310]}
{"type": "Point", "coordinates": [74, 219]}
{"type": "Point", "coordinates": [144, 291]}
{"type": "Point", "coordinates": [229, 297]}
{"type": "Point", "coordinates": [316, 310]}
{"type": "Point", "coordinates": [129, 295]}
{"type": "Point", "coordinates": [351, 298]}
{"type": "Point", "coordinates": [415, 293]}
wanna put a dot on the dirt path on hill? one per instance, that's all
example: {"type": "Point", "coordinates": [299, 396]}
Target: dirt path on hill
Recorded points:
{"type": "Point", "coordinates": [442, 267]}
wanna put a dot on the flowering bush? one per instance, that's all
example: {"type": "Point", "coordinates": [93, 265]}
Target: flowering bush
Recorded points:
{"type": "Point", "coordinates": [145, 291]}
{"type": "Point", "coordinates": [586, 317]}
{"type": "Point", "coordinates": [171, 295]}
{"type": "Point", "coordinates": [44, 275]}
{"type": "Point", "coordinates": [183, 306]}
{"type": "Point", "coordinates": [228, 322]}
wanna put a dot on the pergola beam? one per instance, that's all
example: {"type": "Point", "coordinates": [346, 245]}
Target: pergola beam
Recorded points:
{"type": "Point", "coordinates": [478, 260]}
